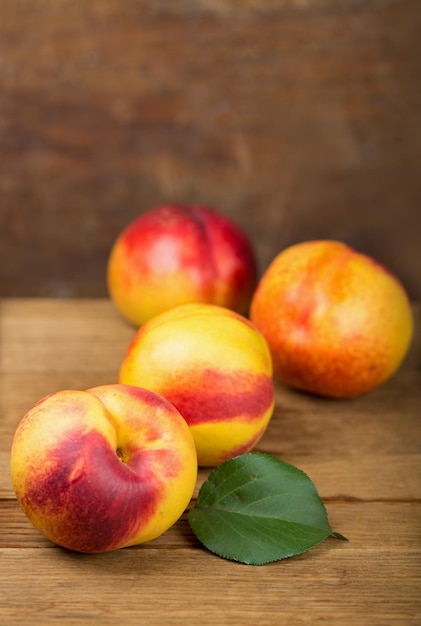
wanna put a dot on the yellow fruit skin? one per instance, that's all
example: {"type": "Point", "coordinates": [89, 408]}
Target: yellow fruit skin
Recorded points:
{"type": "Point", "coordinates": [103, 469]}
{"type": "Point", "coordinates": [215, 367]}
{"type": "Point", "coordinates": [338, 324]}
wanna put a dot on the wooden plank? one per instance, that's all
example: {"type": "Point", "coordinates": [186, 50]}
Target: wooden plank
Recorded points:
{"type": "Point", "coordinates": [373, 578]}
{"type": "Point", "coordinates": [400, 524]}
{"type": "Point", "coordinates": [73, 336]}
{"type": "Point", "coordinates": [334, 583]}
{"type": "Point", "coordinates": [363, 455]}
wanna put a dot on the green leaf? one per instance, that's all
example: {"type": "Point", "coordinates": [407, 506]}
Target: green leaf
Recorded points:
{"type": "Point", "coordinates": [256, 509]}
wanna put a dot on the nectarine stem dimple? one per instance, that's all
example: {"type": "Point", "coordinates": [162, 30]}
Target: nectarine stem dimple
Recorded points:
{"type": "Point", "coordinates": [121, 455]}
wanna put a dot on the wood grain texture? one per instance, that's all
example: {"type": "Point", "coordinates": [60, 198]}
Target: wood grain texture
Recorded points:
{"type": "Point", "coordinates": [335, 583]}
{"type": "Point", "coordinates": [297, 119]}
{"type": "Point", "coordinates": [364, 456]}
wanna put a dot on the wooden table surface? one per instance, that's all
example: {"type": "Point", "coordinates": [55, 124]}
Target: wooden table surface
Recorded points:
{"type": "Point", "coordinates": [363, 455]}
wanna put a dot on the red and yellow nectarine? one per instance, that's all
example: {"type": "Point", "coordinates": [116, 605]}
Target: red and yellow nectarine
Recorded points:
{"type": "Point", "coordinates": [174, 254]}
{"type": "Point", "coordinates": [102, 469]}
{"type": "Point", "coordinates": [215, 367]}
{"type": "Point", "coordinates": [338, 324]}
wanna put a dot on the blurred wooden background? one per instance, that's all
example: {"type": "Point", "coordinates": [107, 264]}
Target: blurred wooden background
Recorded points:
{"type": "Point", "coordinates": [298, 118]}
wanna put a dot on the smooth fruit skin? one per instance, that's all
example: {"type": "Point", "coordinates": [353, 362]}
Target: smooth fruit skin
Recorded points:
{"type": "Point", "coordinates": [338, 324]}
{"type": "Point", "coordinates": [215, 367]}
{"type": "Point", "coordinates": [103, 469]}
{"type": "Point", "coordinates": [175, 254]}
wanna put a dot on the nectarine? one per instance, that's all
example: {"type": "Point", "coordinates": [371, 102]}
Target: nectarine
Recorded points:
{"type": "Point", "coordinates": [102, 469]}
{"type": "Point", "coordinates": [338, 324]}
{"type": "Point", "coordinates": [215, 367]}
{"type": "Point", "coordinates": [175, 254]}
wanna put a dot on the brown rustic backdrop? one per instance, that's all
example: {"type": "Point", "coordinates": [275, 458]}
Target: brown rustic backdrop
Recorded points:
{"type": "Point", "coordinates": [297, 118]}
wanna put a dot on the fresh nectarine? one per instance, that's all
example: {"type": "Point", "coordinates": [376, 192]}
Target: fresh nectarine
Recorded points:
{"type": "Point", "coordinates": [337, 323]}
{"type": "Point", "coordinates": [215, 367]}
{"type": "Point", "coordinates": [175, 254]}
{"type": "Point", "coordinates": [102, 469]}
